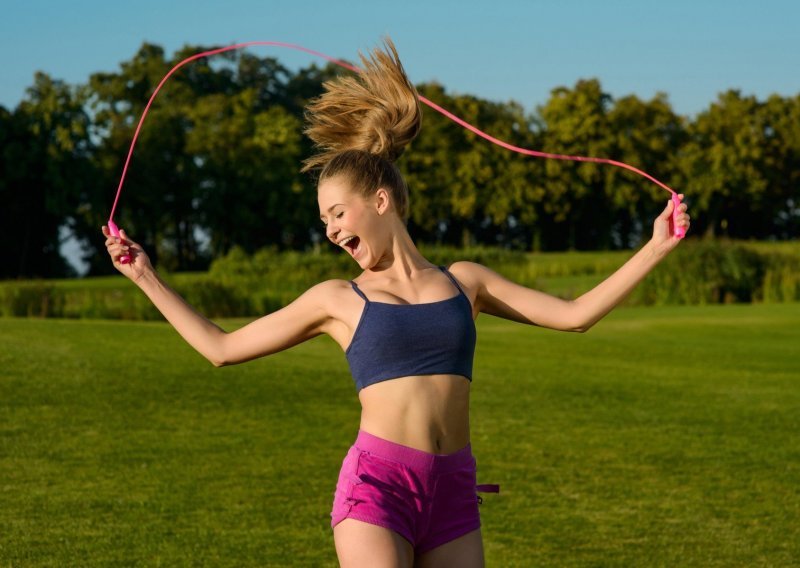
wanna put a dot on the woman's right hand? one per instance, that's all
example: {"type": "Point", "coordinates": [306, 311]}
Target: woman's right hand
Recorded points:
{"type": "Point", "coordinates": [122, 245]}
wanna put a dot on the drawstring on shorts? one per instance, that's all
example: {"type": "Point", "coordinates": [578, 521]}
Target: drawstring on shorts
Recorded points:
{"type": "Point", "coordinates": [486, 488]}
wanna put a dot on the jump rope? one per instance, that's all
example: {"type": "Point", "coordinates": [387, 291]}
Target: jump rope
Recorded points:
{"type": "Point", "coordinates": [679, 232]}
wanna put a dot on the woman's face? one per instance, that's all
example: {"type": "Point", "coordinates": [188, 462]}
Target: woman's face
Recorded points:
{"type": "Point", "coordinates": [352, 222]}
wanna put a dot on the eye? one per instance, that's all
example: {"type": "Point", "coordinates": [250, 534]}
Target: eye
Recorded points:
{"type": "Point", "coordinates": [339, 215]}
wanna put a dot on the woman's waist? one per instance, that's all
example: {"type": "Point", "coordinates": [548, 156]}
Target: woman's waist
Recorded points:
{"type": "Point", "coordinates": [418, 437]}
{"type": "Point", "coordinates": [429, 413]}
{"type": "Point", "coordinates": [414, 458]}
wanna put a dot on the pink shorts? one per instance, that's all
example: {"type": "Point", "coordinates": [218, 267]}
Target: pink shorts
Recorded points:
{"type": "Point", "coordinates": [429, 499]}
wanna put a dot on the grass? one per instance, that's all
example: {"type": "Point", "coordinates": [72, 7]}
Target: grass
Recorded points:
{"type": "Point", "coordinates": [662, 437]}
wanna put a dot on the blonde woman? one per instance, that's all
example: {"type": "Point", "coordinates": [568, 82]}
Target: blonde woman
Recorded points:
{"type": "Point", "coordinates": [406, 493]}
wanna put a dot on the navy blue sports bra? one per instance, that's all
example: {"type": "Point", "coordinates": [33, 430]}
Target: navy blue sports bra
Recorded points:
{"type": "Point", "coordinates": [401, 340]}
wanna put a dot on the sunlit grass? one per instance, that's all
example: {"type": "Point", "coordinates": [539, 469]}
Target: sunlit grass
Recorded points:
{"type": "Point", "coordinates": [662, 437]}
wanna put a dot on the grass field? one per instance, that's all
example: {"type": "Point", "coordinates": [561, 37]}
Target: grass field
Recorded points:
{"type": "Point", "coordinates": [662, 437]}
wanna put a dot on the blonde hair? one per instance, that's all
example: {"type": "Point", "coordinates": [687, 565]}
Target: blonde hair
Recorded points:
{"type": "Point", "coordinates": [362, 124]}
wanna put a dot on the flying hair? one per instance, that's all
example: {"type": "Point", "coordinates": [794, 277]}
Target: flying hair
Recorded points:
{"type": "Point", "coordinates": [375, 111]}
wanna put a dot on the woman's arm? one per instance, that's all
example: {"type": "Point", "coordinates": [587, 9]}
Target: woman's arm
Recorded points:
{"type": "Point", "coordinates": [301, 320]}
{"type": "Point", "coordinates": [500, 297]}
{"type": "Point", "coordinates": [592, 306]}
{"type": "Point", "coordinates": [202, 334]}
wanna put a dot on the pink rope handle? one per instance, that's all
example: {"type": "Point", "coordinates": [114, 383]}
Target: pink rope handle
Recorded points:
{"type": "Point", "coordinates": [676, 200]}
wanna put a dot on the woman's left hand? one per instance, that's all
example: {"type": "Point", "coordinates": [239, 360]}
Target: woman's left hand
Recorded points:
{"type": "Point", "coordinates": [664, 239]}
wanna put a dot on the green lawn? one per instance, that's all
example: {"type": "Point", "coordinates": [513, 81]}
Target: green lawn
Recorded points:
{"type": "Point", "coordinates": [662, 437]}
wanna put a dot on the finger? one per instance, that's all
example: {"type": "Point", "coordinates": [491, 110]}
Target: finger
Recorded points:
{"type": "Point", "coordinates": [118, 254]}
{"type": "Point", "coordinates": [667, 210]}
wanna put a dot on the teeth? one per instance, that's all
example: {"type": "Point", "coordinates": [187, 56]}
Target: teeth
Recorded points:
{"type": "Point", "coordinates": [344, 241]}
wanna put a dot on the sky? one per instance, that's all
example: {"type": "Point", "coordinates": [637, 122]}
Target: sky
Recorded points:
{"type": "Point", "coordinates": [498, 50]}
{"type": "Point", "coordinates": [502, 50]}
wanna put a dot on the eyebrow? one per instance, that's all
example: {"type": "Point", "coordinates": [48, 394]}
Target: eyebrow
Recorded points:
{"type": "Point", "coordinates": [331, 207]}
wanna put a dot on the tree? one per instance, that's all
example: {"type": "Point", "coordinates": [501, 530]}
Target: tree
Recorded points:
{"type": "Point", "coordinates": [158, 186]}
{"type": "Point", "coordinates": [724, 166]}
{"type": "Point", "coordinates": [463, 186]}
{"type": "Point", "coordinates": [649, 136]}
{"type": "Point", "coordinates": [575, 122]}
{"type": "Point", "coordinates": [248, 162]}
{"type": "Point", "coordinates": [221, 149]}
{"type": "Point", "coordinates": [202, 151]}
{"type": "Point", "coordinates": [45, 158]}
{"type": "Point", "coordinates": [782, 166]}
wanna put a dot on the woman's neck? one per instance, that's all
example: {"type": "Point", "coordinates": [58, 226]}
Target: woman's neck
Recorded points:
{"type": "Point", "coordinates": [402, 260]}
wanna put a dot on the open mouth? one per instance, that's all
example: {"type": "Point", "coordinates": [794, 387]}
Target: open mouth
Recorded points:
{"type": "Point", "coordinates": [352, 245]}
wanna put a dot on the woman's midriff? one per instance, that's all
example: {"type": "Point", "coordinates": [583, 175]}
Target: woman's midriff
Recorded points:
{"type": "Point", "coordinates": [428, 412]}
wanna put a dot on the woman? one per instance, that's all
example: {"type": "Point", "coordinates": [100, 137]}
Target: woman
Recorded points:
{"type": "Point", "coordinates": [406, 492]}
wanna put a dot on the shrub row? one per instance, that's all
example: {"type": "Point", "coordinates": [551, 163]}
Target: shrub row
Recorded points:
{"type": "Point", "coordinates": [714, 272]}
{"type": "Point", "coordinates": [697, 272]}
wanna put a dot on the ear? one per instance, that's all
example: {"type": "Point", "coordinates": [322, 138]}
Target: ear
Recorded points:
{"type": "Point", "coordinates": [382, 201]}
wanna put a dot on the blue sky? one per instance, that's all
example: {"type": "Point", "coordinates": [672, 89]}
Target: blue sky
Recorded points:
{"type": "Point", "coordinates": [500, 50]}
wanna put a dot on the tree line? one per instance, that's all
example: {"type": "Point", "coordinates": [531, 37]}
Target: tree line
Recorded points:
{"type": "Point", "coordinates": [219, 156]}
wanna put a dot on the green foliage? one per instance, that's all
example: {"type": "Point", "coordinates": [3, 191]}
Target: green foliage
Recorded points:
{"type": "Point", "coordinates": [705, 272]}
{"type": "Point", "coordinates": [781, 278]}
{"type": "Point", "coordinates": [219, 158]}
{"type": "Point", "coordinates": [239, 284]}
{"type": "Point", "coordinates": [30, 299]}
{"type": "Point", "coordinates": [44, 160]}
{"type": "Point", "coordinates": [216, 299]}
{"type": "Point", "coordinates": [722, 271]}
{"type": "Point", "coordinates": [575, 122]}
{"type": "Point", "coordinates": [461, 185]}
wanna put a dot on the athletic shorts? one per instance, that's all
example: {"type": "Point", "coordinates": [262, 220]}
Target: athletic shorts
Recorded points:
{"type": "Point", "coordinates": [429, 499]}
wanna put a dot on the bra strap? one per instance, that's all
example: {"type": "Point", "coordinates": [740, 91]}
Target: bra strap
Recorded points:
{"type": "Point", "coordinates": [358, 291]}
{"type": "Point", "coordinates": [452, 279]}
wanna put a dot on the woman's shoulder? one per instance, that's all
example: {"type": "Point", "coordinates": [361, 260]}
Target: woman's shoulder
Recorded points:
{"type": "Point", "coordinates": [466, 270]}
{"type": "Point", "coordinates": [330, 288]}
{"type": "Point", "coordinates": [474, 275]}
{"type": "Point", "coordinates": [470, 275]}
{"type": "Point", "coordinates": [334, 294]}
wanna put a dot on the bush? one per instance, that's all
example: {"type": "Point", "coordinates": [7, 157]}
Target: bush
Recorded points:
{"type": "Point", "coordinates": [238, 285]}
{"type": "Point", "coordinates": [31, 299]}
{"type": "Point", "coordinates": [714, 272]}
{"type": "Point", "coordinates": [781, 280]}
{"type": "Point", "coordinates": [215, 299]}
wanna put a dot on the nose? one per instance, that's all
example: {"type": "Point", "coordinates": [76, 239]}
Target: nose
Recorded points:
{"type": "Point", "coordinates": [331, 231]}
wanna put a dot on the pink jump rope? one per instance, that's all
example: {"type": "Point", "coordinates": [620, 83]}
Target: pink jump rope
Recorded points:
{"type": "Point", "coordinates": [678, 231]}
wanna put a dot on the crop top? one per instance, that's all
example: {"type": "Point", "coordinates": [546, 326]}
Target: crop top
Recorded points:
{"type": "Point", "coordinates": [401, 340]}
